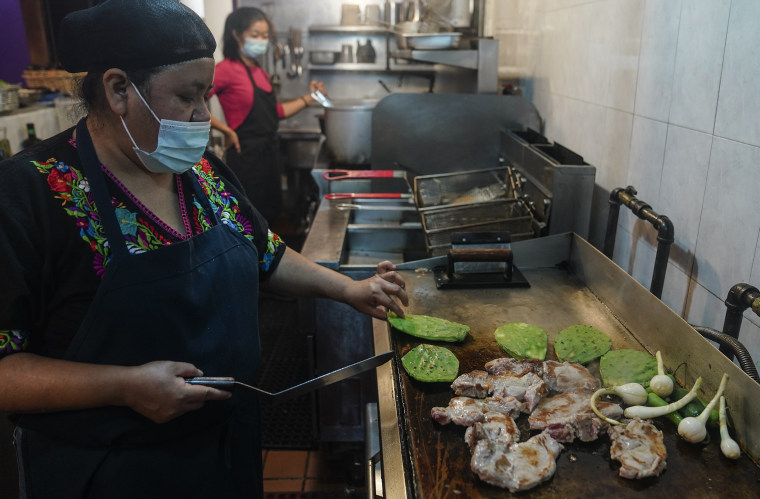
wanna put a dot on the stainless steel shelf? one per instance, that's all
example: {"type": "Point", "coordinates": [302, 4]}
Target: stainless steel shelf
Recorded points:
{"type": "Point", "coordinates": [370, 68]}
{"type": "Point", "coordinates": [364, 30]}
{"type": "Point", "coordinates": [347, 66]}
{"type": "Point", "coordinates": [467, 59]}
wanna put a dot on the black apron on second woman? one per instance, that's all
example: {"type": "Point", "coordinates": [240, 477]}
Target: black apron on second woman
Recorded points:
{"type": "Point", "coordinates": [194, 301]}
{"type": "Point", "coordinates": [256, 163]}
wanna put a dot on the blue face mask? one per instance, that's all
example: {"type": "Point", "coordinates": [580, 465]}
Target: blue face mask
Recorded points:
{"type": "Point", "coordinates": [180, 144]}
{"type": "Point", "coordinates": [254, 47]}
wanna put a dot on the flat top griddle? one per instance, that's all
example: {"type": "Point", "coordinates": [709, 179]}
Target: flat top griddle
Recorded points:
{"type": "Point", "coordinates": [436, 458]}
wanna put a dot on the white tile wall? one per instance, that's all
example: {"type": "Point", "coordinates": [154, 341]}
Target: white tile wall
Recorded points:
{"type": "Point", "coordinates": [738, 105]}
{"type": "Point", "coordinates": [663, 95]}
{"type": "Point", "coordinates": [687, 156]}
{"type": "Point", "coordinates": [647, 155]}
{"type": "Point", "coordinates": [727, 240]}
{"type": "Point", "coordinates": [657, 58]}
{"type": "Point", "coordinates": [699, 58]}
{"type": "Point", "coordinates": [754, 276]}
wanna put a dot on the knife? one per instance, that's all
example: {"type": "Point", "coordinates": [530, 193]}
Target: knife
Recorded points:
{"type": "Point", "coordinates": [225, 383]}
{"type": "Point", "coordinates": [425, 263]}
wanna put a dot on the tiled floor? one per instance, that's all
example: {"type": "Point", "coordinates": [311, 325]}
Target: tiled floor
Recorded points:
{"type": "Point", "coordinates": [304, 474]}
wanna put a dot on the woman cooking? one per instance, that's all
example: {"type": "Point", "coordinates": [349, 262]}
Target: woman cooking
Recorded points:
{"type": "Point", "coordinates": [251, 111]}
{"type": "Point", "coordinates": [132, 261]}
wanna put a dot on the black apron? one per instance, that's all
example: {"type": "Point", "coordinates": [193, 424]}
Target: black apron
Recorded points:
{"type": "Point", "coordinates": [194, 301]}
{"type": "Point", "coordinates": [256, 164]}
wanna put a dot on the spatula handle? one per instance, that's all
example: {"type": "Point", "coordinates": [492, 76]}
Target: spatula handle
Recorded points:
{"type": "Point", "coordinates": [213, 382]}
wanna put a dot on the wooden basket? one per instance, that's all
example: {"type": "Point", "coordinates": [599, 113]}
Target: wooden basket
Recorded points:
{"type": "Point", "coordinates": [55, 80]}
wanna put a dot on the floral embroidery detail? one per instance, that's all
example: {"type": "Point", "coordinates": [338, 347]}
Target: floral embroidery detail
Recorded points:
{"type": "Point", "coordinates": [12, 341]}
{"type": "Point", "coordinates": [228, 212]}
{"type": "Point", "coordinates": [140, 233]}
{"type": "Point", "coordinates": [73, 190]}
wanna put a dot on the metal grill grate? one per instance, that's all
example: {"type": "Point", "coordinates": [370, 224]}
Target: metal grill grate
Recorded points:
{"type": "Point", "coordinates": [290, 424]}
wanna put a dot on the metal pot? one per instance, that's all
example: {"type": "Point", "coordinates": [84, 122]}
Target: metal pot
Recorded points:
{"type": "Point", "coordinates": [348, 128]}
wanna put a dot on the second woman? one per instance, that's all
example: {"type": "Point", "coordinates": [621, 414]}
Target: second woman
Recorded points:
{"type": "Point", "coordinates": [250, 108]}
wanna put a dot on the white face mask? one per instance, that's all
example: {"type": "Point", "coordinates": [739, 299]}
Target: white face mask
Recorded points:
{"type": "Point", "coordinates": [254, 47]}
{"type": "Point", "coordinates": [180, 144]}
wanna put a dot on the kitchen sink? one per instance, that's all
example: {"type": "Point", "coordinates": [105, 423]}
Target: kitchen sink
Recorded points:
{"type": "Point", "coordinates": [383, 212]}
{"type": "Point", "coordinates": [368, 244]}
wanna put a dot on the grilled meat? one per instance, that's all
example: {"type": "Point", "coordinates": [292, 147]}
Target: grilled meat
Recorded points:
{"type": "Point", "coordinates": [514, 367]}
{"type": "Point", "coordinates": [568, 415]}
{"type": "Point", "coordinates": [475, 384]}
{"type": "Point", "coordinates": [466, 411]}
{"type": "Point", "coordinates": [518, 466]}
{"type": "Point", "coordinates": [565, 376]}
{"type": "Point", "coordinates": [640, 449]}
{"type": "Point", "coordinates": [496, 427]}
{"type": "Point", "coordinates": [529, 387]}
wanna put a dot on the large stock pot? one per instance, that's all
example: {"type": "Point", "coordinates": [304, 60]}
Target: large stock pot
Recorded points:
{"type": "Point", "coordinates": [348, 128]}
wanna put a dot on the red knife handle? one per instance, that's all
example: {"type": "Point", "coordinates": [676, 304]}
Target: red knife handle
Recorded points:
{"type": "Point", "coordinates": [343, 174]}
{"type": "Point", "coordinates": [365, 195]}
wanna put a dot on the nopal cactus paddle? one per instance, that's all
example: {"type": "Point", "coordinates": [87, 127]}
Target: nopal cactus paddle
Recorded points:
{"type": "Point", "coordinates": [431, 363]}
{"type": "Point", "coordinates": [522, 341]}
{"type": "Point", "coordinates": [618, 367]}
{"type": "Point", "coordinates": [581, 344]}
{"type": "Point", "coordinates": [429, 328]}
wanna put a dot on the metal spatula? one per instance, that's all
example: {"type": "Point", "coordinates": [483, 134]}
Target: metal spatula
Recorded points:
{"type": "Point", "coordinates": [305, 387]}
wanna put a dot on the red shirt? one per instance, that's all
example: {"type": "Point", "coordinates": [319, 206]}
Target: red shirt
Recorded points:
{"type": "Point", "coordinates": [235, 92]}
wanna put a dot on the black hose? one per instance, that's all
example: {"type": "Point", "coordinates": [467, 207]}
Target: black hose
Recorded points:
{"type": "Point", "coordinates": [736, 347]}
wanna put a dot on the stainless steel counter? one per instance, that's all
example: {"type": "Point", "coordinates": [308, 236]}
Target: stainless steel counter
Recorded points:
{"type": "Point", "coordinates": [571, 283]}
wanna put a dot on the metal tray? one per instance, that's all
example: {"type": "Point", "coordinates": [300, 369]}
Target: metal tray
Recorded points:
{"type": "Point", "coordinates": [432, 41]}
{"type": "Point", "coordinates": [570, 283]}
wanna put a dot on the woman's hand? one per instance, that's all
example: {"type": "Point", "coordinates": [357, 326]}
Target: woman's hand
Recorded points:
{"type": "Point", "coordinates": [375, 296]}
{"type": "Point", "coordinates": [158, 391]}
{"type": "Point", "coordinates": [231, 139]}
{"type": "Point", "coordinates": [315, 85]}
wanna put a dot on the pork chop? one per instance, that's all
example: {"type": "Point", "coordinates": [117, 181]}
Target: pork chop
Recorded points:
{"type": "Point", "coordinates": [639, 447]}
{"type": "Point", "coordinates": [466, 411]}
{"type": "Point", "coordinates": [518, 466]}
{"type": "Point", "coordinates": [565, 376]}
{"type": "Point", "coordinates": [495, 426]}
{"type": "Point", "coordinates": [475, 384]}
{"type": "Point", "coordinates": [529, 388]}
{"type": "Point", "coordinates": [513, 367]}
{"type": "Point", "coordinates": [568, 415]}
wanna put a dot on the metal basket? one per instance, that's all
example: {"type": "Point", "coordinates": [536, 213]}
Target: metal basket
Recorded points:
{"type": "Point", "coordinates": [471, 201]}
{"type": "Point", "coordinates": [502, 215]}
{"type": "Point", "coordinates": [461, 188]}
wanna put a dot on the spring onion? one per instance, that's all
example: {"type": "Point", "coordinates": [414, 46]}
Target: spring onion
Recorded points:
{"type": "Point", "coordinates": [661, 383]}
{"type": "Point", "coordinates": [631, 393]}
{"type": "Point", "coordinates": [728, 445]}
{"type": "Point", "coordinates": [693, 429]}
{"type": "Point", "coordinates": [644, 412]}
{"type": "Point", "coordinates": [655, 400]}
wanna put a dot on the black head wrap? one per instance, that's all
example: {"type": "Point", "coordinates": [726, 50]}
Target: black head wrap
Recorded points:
{"type": "Point", "coordinates": [132, 34]}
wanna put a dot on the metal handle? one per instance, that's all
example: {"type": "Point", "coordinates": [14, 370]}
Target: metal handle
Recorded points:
{"type": "Point", "coordinates": [479, 255]}
{"type": "Point", "coordinates": [371, 485]}
{"type": "Point", "coordinates": [343, 174]}
{"type": "Point", "coordinates": [366, 195]}
{"type": "Point", "coordinates": [222, 383]}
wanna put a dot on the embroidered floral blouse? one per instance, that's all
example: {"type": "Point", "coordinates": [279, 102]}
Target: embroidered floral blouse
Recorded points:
{"type": "Point", "coordinates": [54, 251]}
